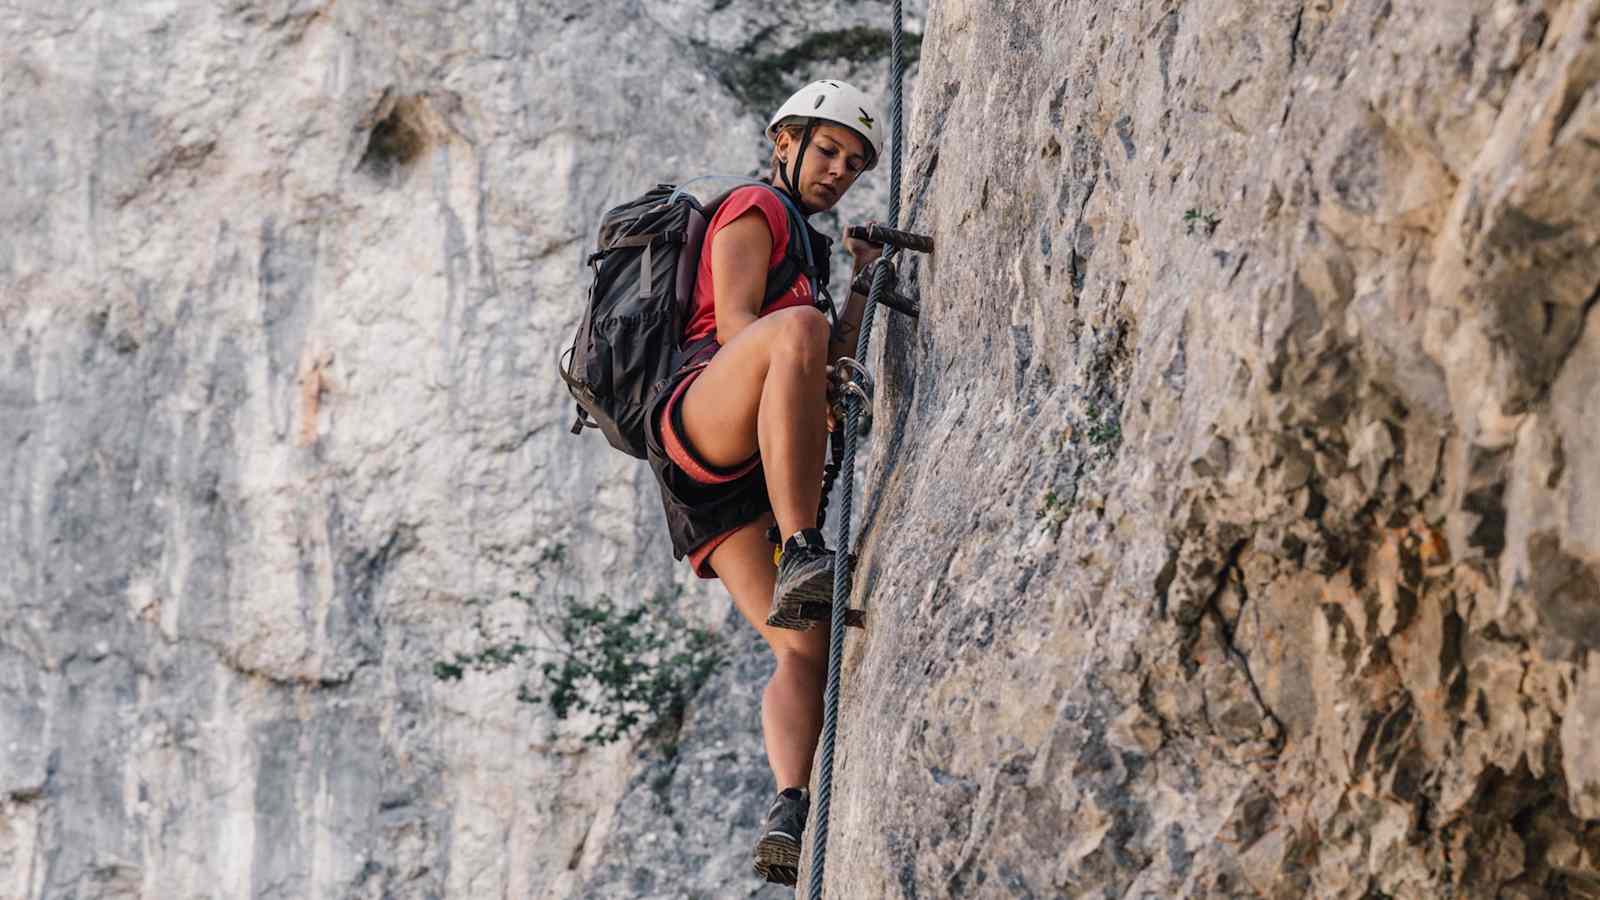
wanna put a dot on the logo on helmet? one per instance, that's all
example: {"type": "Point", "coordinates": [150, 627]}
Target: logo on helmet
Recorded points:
{"type": "Point", "coordinates": [866, 118]}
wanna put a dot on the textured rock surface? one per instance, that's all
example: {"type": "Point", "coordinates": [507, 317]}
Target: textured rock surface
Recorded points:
{"type": "Point", "coordinates": [1272, 327]}
{"type": "Point", "coordinates": [281, 290]}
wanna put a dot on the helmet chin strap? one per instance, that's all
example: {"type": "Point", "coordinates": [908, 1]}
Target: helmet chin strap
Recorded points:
{"type": "Point", "coordinates": [791, 186]}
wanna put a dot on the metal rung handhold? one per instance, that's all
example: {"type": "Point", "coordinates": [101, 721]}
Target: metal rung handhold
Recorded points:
{"type": "Point", "coordinates": [902, 304]}
{"type": "Point", "coordinates": [891, 298]}
{"type": "Point", "coordinates": [878, 234]}
{"type": "Point", "coordinates": [862, 283]}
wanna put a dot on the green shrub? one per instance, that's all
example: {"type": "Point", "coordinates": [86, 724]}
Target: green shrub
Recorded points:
{"type": "Point", "coordinates": [626, 666]}
{"type": "Point", "coordinates": [629, 668]}
{"type": "Point", "coordinates": [764, 80]}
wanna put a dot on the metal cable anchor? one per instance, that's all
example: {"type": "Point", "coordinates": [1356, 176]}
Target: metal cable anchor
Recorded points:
{"type": "Point", "coordinates": [852, 379]}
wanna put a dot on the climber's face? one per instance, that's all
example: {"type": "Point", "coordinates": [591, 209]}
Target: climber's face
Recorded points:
{"type": "Point", "coordinates": [833, 160]}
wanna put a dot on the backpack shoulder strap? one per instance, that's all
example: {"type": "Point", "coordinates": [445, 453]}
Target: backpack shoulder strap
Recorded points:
{"type": "Point", "coordinates": [782, 275]}
{"type": "Point", "coordinates": [797, 256]}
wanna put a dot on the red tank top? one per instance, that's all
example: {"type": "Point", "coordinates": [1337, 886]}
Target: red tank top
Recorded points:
{"type": "Point", "coordinates": [703, 312]}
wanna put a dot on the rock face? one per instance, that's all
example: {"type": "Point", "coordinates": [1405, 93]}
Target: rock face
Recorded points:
{"type": "Point", "coordinates": [1272, 328]}
{"type": "Point", "coordinates": [1269, 329]}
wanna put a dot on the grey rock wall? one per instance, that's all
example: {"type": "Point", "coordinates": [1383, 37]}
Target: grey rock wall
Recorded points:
{"type": "Point", "coordinates": [1230, 526]}
{"type": "Point", "coordinates": [281, 291]}
{"type": "Point", "coordinates": [1269, 329]}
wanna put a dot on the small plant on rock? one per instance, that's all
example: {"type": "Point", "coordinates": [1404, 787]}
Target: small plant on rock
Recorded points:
{"type": "Point", "coordinates": [1194, 216]}
{"type": "Point", "coordinates": [626, 667]}
{"type": "Point", "coordinates": [1053, 511]}
{"type": "Point", "coordinates": [1102, 432]}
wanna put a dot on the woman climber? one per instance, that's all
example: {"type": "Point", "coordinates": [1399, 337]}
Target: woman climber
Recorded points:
{"type": "Point", "coordinates": [737, 435]}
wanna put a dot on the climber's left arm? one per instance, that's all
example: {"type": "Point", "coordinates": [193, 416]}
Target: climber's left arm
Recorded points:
{"type": "Point", "coordinates": [846, 331]}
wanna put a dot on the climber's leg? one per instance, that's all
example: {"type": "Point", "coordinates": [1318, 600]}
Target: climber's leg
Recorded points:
{"type": "Point", "coordinates": [791, 707]}
{"type": "Point", "coordinates": [765, 392]}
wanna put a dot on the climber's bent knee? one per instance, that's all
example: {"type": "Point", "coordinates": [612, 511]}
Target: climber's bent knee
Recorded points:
{"type": "Point", "coordinates": [721, 408]}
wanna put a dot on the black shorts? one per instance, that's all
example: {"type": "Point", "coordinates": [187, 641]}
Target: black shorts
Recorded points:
{"type": "Point", "coordinates": [704, 504]}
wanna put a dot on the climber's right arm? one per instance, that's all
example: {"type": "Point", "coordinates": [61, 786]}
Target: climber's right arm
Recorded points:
{"type": "Point", "coordinates": [739, 254]}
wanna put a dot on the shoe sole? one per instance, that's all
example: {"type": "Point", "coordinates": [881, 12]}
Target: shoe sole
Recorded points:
{"type": "Point", "coordinates": [789, 612]}
{"type": "Point", "coordinates": [778, 859]}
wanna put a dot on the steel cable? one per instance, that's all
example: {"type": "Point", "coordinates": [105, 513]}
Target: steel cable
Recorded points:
{"type": "Point", "coordinates": [842, 560]}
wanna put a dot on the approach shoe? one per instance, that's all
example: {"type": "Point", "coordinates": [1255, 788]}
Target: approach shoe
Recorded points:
{"type": "Point", "coordinates": [777, 856]}
{"type": "Point", "coordinates": [803, 595]}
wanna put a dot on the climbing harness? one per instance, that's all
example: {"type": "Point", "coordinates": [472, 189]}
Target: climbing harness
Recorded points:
{"type": "Point", "coordinates": [856, 397]}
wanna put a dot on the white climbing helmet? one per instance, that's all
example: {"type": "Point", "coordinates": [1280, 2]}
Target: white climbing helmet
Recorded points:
{"type": "Point", "coordinates": [837, 102]}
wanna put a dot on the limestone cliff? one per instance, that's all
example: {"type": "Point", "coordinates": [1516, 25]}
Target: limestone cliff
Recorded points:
{"type": "Point", "coordinates": [1231, 526]}
{"type": "Point", "coordinates": [1272, 329]}
{"type": "Point", "coordinates": [281, 291]}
